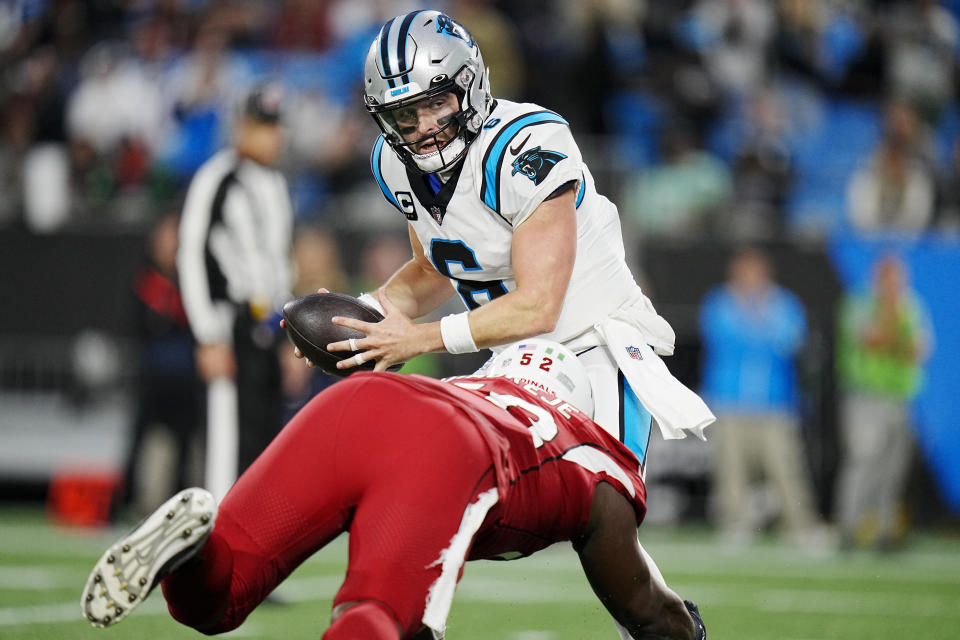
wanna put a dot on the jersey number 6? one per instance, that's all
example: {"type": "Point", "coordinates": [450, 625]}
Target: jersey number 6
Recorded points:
{"type": "Point", "coordinates": [443, 252]}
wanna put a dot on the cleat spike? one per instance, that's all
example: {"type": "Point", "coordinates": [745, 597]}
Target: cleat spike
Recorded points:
{"type": "Point", "coordinates": [134, 565]}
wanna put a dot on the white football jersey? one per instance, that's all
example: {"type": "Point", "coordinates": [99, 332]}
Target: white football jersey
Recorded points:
{"type": "Point", "coordinates": [522, 154]}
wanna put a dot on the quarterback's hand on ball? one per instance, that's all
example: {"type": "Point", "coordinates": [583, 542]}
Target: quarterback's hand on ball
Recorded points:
{"type": "Point", "coordinates": [296, 350]}
{"type": "Point", "coordinates": [392, 341]}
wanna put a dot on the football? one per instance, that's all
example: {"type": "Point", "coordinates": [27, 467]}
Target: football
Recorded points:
{"type": "Point", "coordinates": [308, 325]}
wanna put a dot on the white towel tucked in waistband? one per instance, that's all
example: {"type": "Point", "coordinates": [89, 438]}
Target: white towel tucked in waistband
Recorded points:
{"type": "Point", "coordinates": [629, 334]}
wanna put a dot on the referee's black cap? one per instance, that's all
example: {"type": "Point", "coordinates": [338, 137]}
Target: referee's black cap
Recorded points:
{"type": "Point", "coordinates": [265, 102]}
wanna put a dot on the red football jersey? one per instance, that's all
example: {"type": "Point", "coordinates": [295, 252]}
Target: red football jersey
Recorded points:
{"type": "Point", "coordinates": [549, 456]}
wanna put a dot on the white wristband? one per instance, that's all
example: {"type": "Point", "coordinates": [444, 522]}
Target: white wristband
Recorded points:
{"type": "Point", "coordinates": [456, 335]}
{"type": "Point", "coordinates": [371, 301]}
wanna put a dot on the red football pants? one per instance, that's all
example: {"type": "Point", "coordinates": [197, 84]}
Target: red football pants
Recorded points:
{"type": "Point", "coordinates": [396, 468]}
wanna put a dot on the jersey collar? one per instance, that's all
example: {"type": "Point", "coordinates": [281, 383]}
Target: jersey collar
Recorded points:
{"type": "Point", "coordinates": [435, 204]}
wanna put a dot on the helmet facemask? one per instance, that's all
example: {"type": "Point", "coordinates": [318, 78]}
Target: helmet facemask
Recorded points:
{"type": "Point", "coordinates": [445, 145]}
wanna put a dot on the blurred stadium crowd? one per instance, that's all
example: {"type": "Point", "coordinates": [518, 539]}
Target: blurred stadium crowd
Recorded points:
{"type": "Point", "coordinates": [752, 118]}
{"type": "Point", "coordinates": [789, 123]}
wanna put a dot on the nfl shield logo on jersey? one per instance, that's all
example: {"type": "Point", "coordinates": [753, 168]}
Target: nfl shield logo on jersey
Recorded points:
{"type": "Point", "coordinates": [634, 353]}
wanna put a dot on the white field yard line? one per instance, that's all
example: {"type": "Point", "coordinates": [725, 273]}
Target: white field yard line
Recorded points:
{"type": "Point", "coordinates": [46, 540]}
{"type": "Point", "coordinates": [925, 565]}
{"type": "Point", "coordinates": [733, 595]}
{"type": "Point", "coordinates": [52, 575]}
{"type": "Point", "coordinates": [486, 589]}
{"type": "Point", "coordinates": [69, 613]}
{"type": "Point", "coordinates": [65, 612]}
{"type": "Point", "coordinates": [708, 554]}
{"type": "Point", "coordinates": [33, 578]}
{"type": "Point", "coordinates": [49, 542]}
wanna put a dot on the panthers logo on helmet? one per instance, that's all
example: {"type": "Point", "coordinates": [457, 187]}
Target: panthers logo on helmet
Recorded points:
{"type": "Point", "coordinates": [449, 26]}
{"type": "Point", "coordinates": [536, 163]}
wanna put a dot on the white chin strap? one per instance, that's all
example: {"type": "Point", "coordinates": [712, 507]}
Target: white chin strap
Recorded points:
{"type": "Point", "coordinates": [433, 162]}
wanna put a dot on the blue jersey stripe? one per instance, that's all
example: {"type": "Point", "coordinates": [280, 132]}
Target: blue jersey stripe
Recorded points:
{"type": "Point", "coordinates": [583, 190]}
{"type": "Point", "coordinates": [636, 422]}
{"type": "Point", "coordinates": [498, 149]}
{"type": "Point", "coordinates": [375, 165]}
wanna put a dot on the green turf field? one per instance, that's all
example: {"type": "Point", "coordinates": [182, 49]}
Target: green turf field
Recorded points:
{"type": "Point", "coordinates": [771, 592]}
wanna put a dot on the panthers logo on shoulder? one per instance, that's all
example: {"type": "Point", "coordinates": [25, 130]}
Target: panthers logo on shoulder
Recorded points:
{"type": "Point", "coordinates": [449, 26]}
{"type": "Point", "coordinates": [536, 163]}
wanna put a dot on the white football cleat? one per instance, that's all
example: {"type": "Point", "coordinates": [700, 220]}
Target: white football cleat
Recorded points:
{"type": "Point", "coordinates": [134, 564]}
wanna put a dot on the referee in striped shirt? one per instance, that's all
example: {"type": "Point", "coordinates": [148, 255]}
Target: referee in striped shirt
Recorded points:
{"type": "Point", "coordinates": [234, 263]}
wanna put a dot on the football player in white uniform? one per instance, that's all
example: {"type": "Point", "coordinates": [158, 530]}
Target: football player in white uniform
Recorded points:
{"type": "Point", "coordinates": [500, 204]}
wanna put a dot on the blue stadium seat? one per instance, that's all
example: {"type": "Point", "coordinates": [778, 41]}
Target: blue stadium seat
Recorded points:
{"type": "Point", "coordinates": [637, 119]}
{"type": "Point", "coordinates": [825, 159]}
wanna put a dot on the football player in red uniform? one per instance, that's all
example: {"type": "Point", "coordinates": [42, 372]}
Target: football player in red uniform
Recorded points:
{"type": "Point", "coordinates": [425, 474]}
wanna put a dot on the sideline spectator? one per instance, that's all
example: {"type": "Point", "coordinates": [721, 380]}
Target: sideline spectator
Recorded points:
{"type": "Point", "coordinates": [762, 171]}
{"type": "Point", "coordinates": [683, 195]}
{"type": "Point", "coordinates": [753, 330]}
{"type": "Point", "coordinates": [895, 191]}
{"type": "Point", "coordinates": [168, 395]}
{"type": "Point", "coordinates": [33, 139]}
{"type": "Point", "coordinates": [948, 205]}
{"type": "Point", "coordinates": [116, 105]}
{"type": "Point", "coordinates": [735, 37]}
{"type": "Point", "coordinates": [884, 338]}
{"type": "Point", "coordinates": [198, 88]}
{"type": "Point", "coordinates": [920, 40]}
{"type": "Point", "coordinates": [498, 36]}
{"type": "Point", "coordinates": [301, 25]}
{"type": "Point", "coordinates": [318, 262]}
